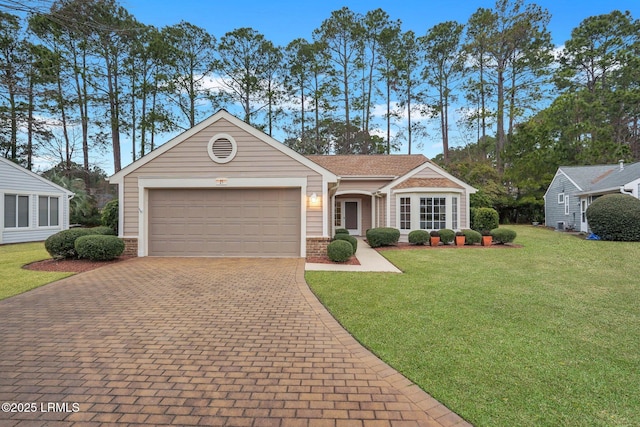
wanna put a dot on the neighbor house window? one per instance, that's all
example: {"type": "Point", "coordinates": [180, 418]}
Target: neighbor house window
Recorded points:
{"type": "Point", "coordinates": [405, 213]}
{"type": "Point", "coordinates": [454, 213]}
{"type": "Point", "coordinates": [561, 198]}
{"type": "Point", "coordinates": [566, 206]}
{"type": "Point", "coordinates": [47, 211]}
{"type": "Point", "coordinates": [16, 211]}
{"type": "Point", "coordinates": [433, 214]}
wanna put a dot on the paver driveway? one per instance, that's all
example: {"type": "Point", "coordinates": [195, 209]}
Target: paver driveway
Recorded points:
{"type": "Point", "coordinates": [189, 341]}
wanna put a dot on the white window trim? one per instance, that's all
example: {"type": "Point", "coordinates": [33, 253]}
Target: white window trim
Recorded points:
{"type": "Point", "coordinates": [415, 208]}
{"type": "Point", "coordinates": [29, 211]}
{"type": "Point", "coordinates": [566, 206]}
{"type": "Point", "coordinates": [49, 196]}
{"type": "Point", "coordinates": [561, 198]}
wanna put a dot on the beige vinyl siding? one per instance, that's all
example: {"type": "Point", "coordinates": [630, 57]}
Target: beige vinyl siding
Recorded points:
{"type": "Point", "coordinates": [361, 185]}
{"type": "Point", "coordinates": [189, 159]}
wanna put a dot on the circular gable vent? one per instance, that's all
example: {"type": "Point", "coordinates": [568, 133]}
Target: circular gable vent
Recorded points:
{"type": "Point", "coordinates": [222, 148]}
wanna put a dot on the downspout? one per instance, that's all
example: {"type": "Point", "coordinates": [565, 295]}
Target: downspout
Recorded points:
{"type": "Point", "coordinates": [627, 192]}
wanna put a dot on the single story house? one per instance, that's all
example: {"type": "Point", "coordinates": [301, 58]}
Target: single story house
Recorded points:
{"type": "Point", "coordinates": [573, 188]}
{"type": "Point", "coordinates": [224, 188]}
{"type": "Point", "coordinates": [32, 208]}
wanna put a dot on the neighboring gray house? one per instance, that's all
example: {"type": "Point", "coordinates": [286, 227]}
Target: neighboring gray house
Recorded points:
{"type": "Point", "coordinates": [573, 188]}
{"type": "Point", "coordinates": [32, 208]}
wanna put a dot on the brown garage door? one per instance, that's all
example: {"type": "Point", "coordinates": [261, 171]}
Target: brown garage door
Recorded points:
{"type": "Point", "coordinates": [224, 222]}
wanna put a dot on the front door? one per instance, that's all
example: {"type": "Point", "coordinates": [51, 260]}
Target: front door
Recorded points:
{"type": "Point", "coordinates": [351, 217]}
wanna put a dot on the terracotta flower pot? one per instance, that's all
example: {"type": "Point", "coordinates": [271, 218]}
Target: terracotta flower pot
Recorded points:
{"type": "Point", "coordinates": [460, 240]}
{"type": "Point", "coordinates": [487, 240]}
{"type": "Point", "coordinates": [434, 241]}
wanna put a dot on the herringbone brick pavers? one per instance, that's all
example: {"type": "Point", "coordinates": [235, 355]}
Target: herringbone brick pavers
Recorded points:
{"type": "Point", "coordinates": [194, 341]}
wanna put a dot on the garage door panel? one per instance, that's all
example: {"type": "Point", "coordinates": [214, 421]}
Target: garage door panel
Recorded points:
{"type": "Point", "coordinates": [224, 222]}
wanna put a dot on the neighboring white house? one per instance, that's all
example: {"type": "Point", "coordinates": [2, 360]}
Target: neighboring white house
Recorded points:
{"type": "Point", "coordinates": [32, 208]}
{"type": "Point", "coordinates": [573, 188]}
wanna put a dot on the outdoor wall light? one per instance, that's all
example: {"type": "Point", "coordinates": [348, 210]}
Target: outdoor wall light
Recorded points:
{"type": "Point", "coordinates": [313, 198]}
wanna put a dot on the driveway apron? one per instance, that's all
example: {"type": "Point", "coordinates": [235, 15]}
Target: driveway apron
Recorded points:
{"type": "Point", "coordinates": [194, 341]}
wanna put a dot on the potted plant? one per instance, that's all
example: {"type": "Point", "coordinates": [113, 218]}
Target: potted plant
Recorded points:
{"type": "Point", "coordinates": [434, 239]}
{"type": "Point", "coordinates": [460, 238]}
{"type": "Point", "coordinates": [487, 238]}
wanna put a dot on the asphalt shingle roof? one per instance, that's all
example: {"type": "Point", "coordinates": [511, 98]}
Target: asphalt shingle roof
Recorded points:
{"type": "Point", "coordinates": [601, 177]}
{"type": "Point", "coordinates": [369, 165]}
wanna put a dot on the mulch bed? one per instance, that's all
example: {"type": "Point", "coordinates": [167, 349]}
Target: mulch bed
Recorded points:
{"type": "Point", "coordinates": [71, 265]}
{"type": "Point", "coordinates": [325, 260]}
{"type": "Point", "coordinates": [403, 246]}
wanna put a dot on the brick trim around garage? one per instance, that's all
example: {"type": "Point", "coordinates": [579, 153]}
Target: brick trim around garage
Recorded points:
{"type": "Point", "coordinates": [317, 246]}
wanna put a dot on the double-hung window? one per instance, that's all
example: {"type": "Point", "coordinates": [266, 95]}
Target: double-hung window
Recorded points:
{"type": "Point", "coordinates": [16, 211]}
{"type": "Point", "coordinates": [48, 211]}
{"type": "Point", "coordinates": [405, 213]}
{"type": "Point", "coordinates": [433, 213]}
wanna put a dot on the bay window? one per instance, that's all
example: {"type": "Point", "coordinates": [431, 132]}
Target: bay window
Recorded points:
{"type": "Point", "coordinates": [427, 211]}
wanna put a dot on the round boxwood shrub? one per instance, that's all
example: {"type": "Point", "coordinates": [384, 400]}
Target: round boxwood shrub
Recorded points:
{"type": "Point", "coordinates": [446, 236]}
{"type": "Point", "coordinates": [485, 219]}
{"type": "Point", "coordinates": [339, 250]}
{"type": "Point", "coordinates": [383, 236]}
{"type": "Point", "coordinates": [615, 217]}
{"type": "Point", "coordinates": [342, 231]}
{"type": "Point", "coordinates": [348, 238]}
{"type": "Point", "coordinates": [472, 237]}
{"type": "Point", "coordinates": [61, 244]}
{"type": "Point", "coordinates": [419, 237]}
{"type": "Point", "coordinates": [99, 247]}
{"type": "Point", "coordinates": [107, 231]}
{"type": "Point", "coordinates": [503, 235]}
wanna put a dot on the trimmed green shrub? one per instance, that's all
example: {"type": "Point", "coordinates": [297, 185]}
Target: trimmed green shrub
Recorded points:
{"type": "Point", "coordinates": [503, 235]}
{"type": "Point", "coordinates": [61, 244]}
{"type": "Point", "coordinates": [107, 231]}
{"type": "Point", "coordinates": [109, 216]}
{"type": "Point", "coordinates": [472, 237]}
{"type": "Point", "coordinates": [434, 233]}
{"type": "Point", "coordinates": [485, 219]}
{"type": "Point", "coordinates": [615, 217]}
{"type": "Point", "coordinates": [446, 236]}
{"type": "Point", "coordinates": [383, 236]}
{"type": "Point", "coordinates": [339, 250]}
{"type": "Point", "coordinates": [342, 231]}
{"type": "Point", "coordinates": [419, 237]}
{"type": "Point", "coordinates": [99, 247]}
{"type": "Point", "coordinates": [349, 238]}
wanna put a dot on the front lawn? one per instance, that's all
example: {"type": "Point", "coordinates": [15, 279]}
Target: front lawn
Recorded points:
{"type": "Point", "coordinates": [544, 335]}
{"type": "Point", "coordinates": [13, 278]}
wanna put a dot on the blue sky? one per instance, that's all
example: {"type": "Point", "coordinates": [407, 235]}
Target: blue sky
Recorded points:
{"type": "Point", "coordinates": [284, 20]}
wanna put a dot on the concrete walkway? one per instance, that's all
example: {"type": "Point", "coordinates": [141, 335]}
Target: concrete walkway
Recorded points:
{"type": "Point", "coordinates": [194, 342]}
{"type": "Point", "coordinates": [370, 260]}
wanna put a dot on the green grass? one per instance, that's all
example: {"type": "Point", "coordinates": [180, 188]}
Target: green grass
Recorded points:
{"type": "Point", "coordinates": [544, 335]}
{"type": "Point", "coordinates": [16, 280]}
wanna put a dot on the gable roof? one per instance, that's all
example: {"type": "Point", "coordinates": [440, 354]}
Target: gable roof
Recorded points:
{"type": "Point", "coordinates": [36, 176]}
{"type": "Point", "coordinates": [599, 178]}
{"type": "Point", "coordinates": [427, 183]}
{"type": "Point", "coordinates": [584, 177]}
{"type": "Point", "coordinates": [376, 165]}
{"type": "Point", "coordinates": [222, 114]}
{"type": "Point", "coordinates": [614, 179]}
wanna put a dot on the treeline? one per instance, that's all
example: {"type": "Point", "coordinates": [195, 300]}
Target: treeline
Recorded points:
{"type": "Point", "coordinates": [81, 75]}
